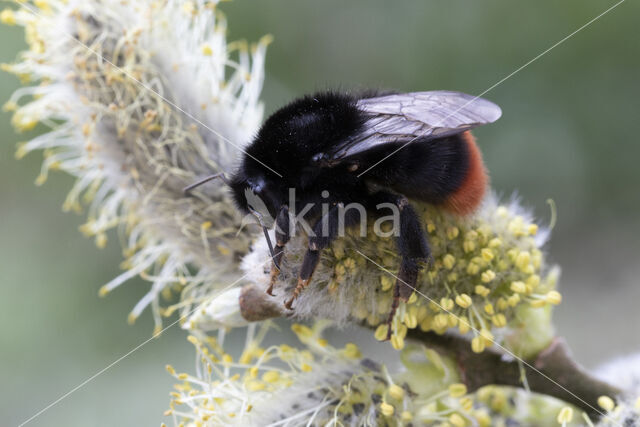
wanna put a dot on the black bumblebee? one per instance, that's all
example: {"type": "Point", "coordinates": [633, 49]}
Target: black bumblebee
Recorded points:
{"type": "Point", "coordinates": [337, 149]}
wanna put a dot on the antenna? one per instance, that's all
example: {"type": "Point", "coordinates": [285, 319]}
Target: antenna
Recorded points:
{"type": "Point", "coordinates": [254, 212]}
{"type": "Point", "coordinates": [204, 180]}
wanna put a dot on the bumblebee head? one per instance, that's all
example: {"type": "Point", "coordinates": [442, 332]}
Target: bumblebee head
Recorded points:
{"type": "Point", "coordinates": [252, 195]}
{"type": "Point", "coordinates": [252, 192]}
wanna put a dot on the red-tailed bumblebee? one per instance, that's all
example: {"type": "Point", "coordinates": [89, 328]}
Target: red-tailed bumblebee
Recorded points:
{"type": "Point", "coordinates": [336, 149]}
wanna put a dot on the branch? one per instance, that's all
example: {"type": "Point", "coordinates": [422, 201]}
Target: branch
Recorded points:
{"type": "Point", "coordinates": [556, 373]}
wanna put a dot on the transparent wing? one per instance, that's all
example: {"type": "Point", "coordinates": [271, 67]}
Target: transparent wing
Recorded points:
{"type": "Point", "coordinates": [401, 118]}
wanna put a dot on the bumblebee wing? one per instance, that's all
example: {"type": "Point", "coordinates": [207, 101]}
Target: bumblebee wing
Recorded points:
{"type": "Point", "coordinates": [402, 118]}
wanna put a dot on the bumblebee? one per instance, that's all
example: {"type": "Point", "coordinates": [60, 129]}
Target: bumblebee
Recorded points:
{"type": "Point", "coordinates": [336, 149]}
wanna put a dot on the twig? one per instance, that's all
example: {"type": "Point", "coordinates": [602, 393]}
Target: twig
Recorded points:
{"type": "Point", "coordinates": [492, 367]}
{"type": "Point", "coordinates": [489, 367]}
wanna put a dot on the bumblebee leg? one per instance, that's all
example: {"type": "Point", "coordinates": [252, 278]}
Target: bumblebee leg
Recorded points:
{"type": "Point", "coordinates": [413, 248]}
{"type": "Point", "coordinates": [403, 288]}
{"type": "Point", "coordinates": [282, 237]}
{"type": "Point", "coordinates": [309, 264]}
{"type": "Point", "coordinates": [325, 231]}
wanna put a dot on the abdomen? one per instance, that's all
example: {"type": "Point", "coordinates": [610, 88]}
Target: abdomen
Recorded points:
{"type": "Point", "coordinates": [448, 172]}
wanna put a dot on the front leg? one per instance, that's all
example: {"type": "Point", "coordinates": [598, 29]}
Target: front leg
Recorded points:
{"type": "Point", "coordinates": [324, 232]}
{"type": "Point", "coordinates": [282, 237]}
{"type": "Point", "coordinates": [413, 248]}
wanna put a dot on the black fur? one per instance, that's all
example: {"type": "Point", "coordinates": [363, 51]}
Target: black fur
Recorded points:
{"type": "Point", "coordinates": [428, 171]}
{"type": "Point", "coordinates": [423, 170]}
{"type": "Point", "coordinates": [288, 141]}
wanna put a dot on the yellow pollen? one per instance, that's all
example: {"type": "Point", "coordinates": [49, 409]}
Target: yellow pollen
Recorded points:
{"type": "Point", "coordinates": [533, 281]}
{"type": "Point", "coordinates": [350, 263]}
{"type": "Point", "coordinates": [306, 368]}
{"type": "Point", "coordinates": [487, 254]}
{"type": "Point", "coordinates": [253, 372]}
{"type": "Point", "coordinates": [499, 320]}
{"type": "Point", "coordinates": [469, 246]}
{"type": "Point", "coordinates": [463, 300]}
{"type": "Point", "coordinates": [41, 179]}
{"type": "Point", "coordinates": [446, 304]}
{"type": "Point", "coordinates": [396, 391]}
{"type": "Point", "coordinates": [522, 260]}
{"type": "Point", "coordinates": [471, 235]}
{"type": "Point", "coordinates": [483, 291]}
{"type": "Point", "coordinates": [452, 320]}
{"type": "Point", "coordinates": [21, 151]}
{"type": "Point", "coordinates": [386, 282]}
{"type": "Point", "coordinates": [255, 385]}
{"type": "Point", "coordinates": [463, 325]}
{"type": "Point", "coordinates": [488, 308]}
{"type": "Point", "coordinates": [448, 261]}
{"type": "Point", "coordinates": [302, 331]}
{"type": "Point", "coordinates": [457, 390]}
{"type": "Point", "coordinates": [397, 342]}
{"type": "Point", "coordinates": [131, 318]}
{"type": "Point", "coordinates": [440, 321]}
{"type": "Point", "coordinates": [206, 50]}
{"type": "Point", "coordinates": [473, 268]}
{"type": "Point", "coordinates": [486, 277]}
{"type": "Point", "coordinates": [381, 332]}
{"type": "Point", "coordinates": [452, 232]}
{"type": "Point", "coordinates": [386, 409]}
{"type": "Point", "coordinates": [352, 351]}
{"type": "Point", "coordinates": [411, 319]}
{"type": "Point", "coordinates": [8, 17]}
{"type": "Point", "coordinates": [565, 415]}
{"type": "Point", "coordinates": [484, 420]}
{"type": "Point", "coordinates": [553, 297]}
{"type": "Point", "coordinates": [606, 403]}
{"type": "Point", "coordinates": [487, 336]}
{"type": "Point", "coordinates": [518, 287]}
{"type": "Point", "coordinates": [513, 300]}
{"type": "Point", "coordinates": [466, 403]}
{"type": "Point", "coordinates": [271, 376]}
{"type": "Point", "coordinates": [457, 420]}
{"type": "Point", "coordinates": [101, 240]}
{"type": "Point", "coordinates": [495, 243]}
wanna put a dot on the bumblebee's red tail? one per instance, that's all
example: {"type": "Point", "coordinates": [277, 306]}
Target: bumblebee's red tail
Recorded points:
{"type": "Point", "coordinates": [468, 196]}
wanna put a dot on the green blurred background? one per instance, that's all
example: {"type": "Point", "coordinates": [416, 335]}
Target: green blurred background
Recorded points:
{"type": "Point", "coordinates": [567, 133]}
